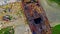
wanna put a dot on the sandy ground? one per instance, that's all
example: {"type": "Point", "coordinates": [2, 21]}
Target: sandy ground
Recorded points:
{"type": "Point", "coordinates": [22, 29]}
{"type": "Point", "coordinates": [19, 23]}
{"type": "Point", "coordinates": [52, 13]}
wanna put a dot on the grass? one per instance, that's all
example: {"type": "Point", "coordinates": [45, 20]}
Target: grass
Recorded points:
{"type": "Point", "coordinates": [56, 29]}
{"type": "Point", "coordinates": [7, 30]}
{"type": "Point", "coordinates": [56, 1]}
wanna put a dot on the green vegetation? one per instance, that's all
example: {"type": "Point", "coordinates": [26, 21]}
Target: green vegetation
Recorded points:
{"type": "Point", "coordinates": [56, 29]}
{"type": "Point", "coordinates": [8, 30]}
{"type": "Point", "coordinates": [10, 17]}
{"type": "Point", "coordinates": [56, 1]}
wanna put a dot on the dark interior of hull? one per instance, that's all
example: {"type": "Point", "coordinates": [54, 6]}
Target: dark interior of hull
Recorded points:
{"type": "Point", "coordinates": [38, 20]}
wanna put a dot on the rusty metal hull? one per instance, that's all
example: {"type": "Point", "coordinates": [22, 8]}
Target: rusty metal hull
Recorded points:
{"type": "Point", "coordinates": [36, 17]}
